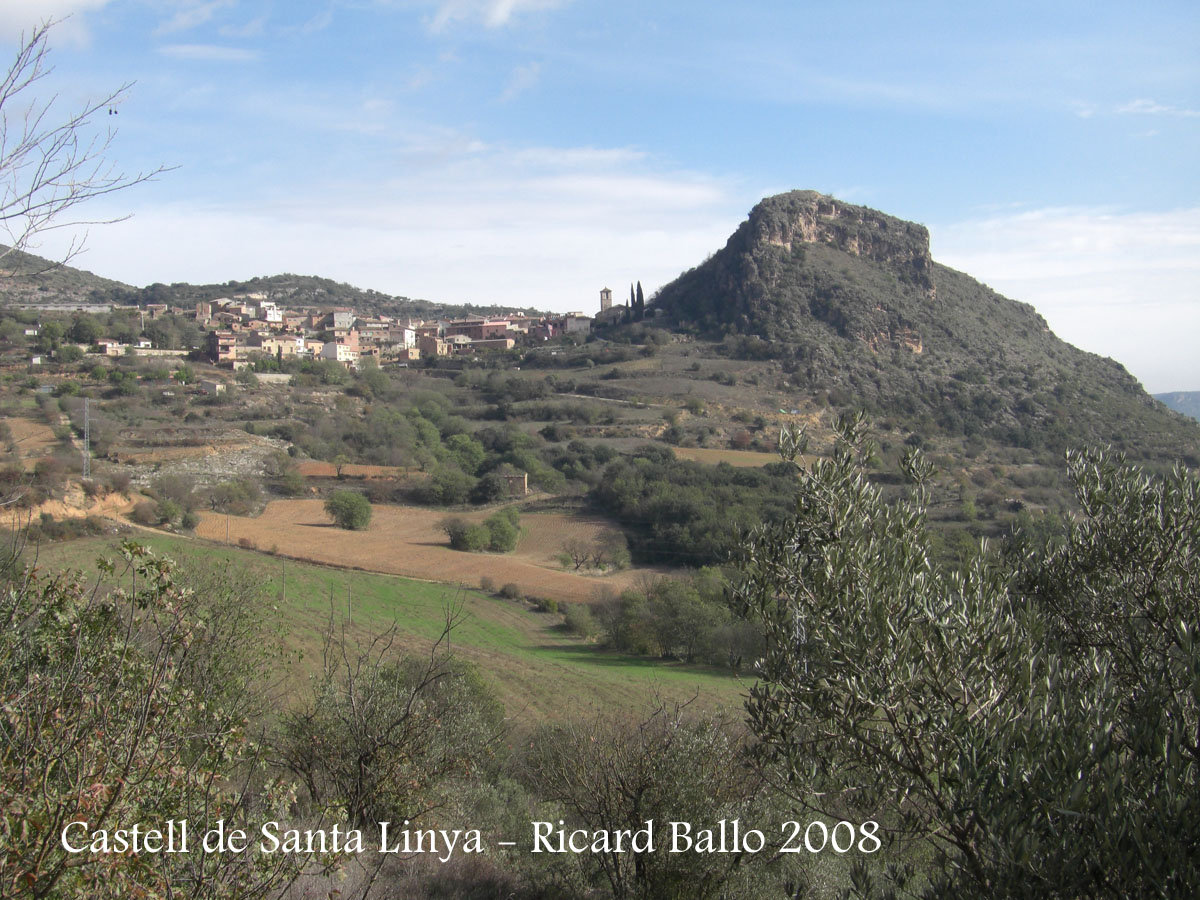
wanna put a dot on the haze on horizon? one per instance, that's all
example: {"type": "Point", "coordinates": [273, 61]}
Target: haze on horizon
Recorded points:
{"type": "Point", "coordinates": [529, 152]}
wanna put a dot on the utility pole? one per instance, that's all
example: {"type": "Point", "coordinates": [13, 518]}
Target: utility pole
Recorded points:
{"type": "Point", "coordinates": [87, 438]}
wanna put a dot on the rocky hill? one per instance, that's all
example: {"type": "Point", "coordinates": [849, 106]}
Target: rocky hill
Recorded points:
{"type": "Point", "coordinates": [852, 302]}
{"type": "Point", "coordinates": [29, 279]}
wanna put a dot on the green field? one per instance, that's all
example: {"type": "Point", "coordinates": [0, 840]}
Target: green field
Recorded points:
{"type": "Point", "coordinates": [537, 668]}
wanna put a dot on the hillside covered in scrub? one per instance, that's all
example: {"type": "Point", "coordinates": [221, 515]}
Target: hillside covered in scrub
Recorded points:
{"type": "Point", "coordinates": [856, 308]}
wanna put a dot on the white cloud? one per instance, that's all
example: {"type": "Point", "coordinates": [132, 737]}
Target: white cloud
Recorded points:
{"type": "Point", "coordinates": [536, 227]}
{"type": "Point", "coordinates": [492, 13]}
{"type": "Point", "coordinates": [254, 28]}
{"type": "Point", "coordinates": [1151, 108]}
{"type": "Point", "coordinates": [192, 15]}
{"type": "Point", "coordinates": [208, 53]}
{"type": "Point", "coordinates": [19, 17]}
{"type": "Point", "coordinates": [1122, 284]}
{"type": "Point", "coordinates": [520, 80]}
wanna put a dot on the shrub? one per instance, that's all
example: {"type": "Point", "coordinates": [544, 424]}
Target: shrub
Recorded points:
{"type": "Point", "coordinates": [349, 509]}
{"type": "Point", "coordinates": [487, 583]}
{"type": "Point", "coordinates": [499, 533]}
{"type": "Point", "coordinates": [1060, 761]}
{"type": "Point", "coordinates": [503, 531]}
{"type": "Point", "coordinates": [93, 488]}
{"type": "Point", "coordinates": [580, 620]}
{"type": "Point", "coordinates": [239, 496]}
{"type": "Point", "coordinates": [291, 483]}
{"type": "Point", "coordinates": [544, 604]}
{"type": "Point", "coordinates": [510, 591]}
{"type": "Point", "coordinates": [489, 488]}
{"type": "Point", "coordinates": [146, 513]}
{"type": "Point", "coordinates": [464, 535]}
{"type": "Point", "coordinates": [169, 511]}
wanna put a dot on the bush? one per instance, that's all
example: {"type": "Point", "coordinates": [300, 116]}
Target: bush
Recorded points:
{"type": "Point", "coordinates": [544, 604]}
{"type": "Point", "coordinates": [93, 488]}
{"type": "Point", "coordinates": [487, 583]}
{"type": "Point", "coordinates": [580, 620]}
{"type": "Point", "coordinates": [510, 591]}
{"type": "Point", "coordinates": [349, 509]}
{"type": "Point", "coordinates": [169, 511]}
{"type": "Point", "coordinates": [499, 533]}
{"type": "Point", "coordinates": [1058, 762]}
{"type": "Point", "coordinates": [465, 536]}
{"type": "Point", "coordinates": [146, 513]}
{"type": "Point", "coordinates": [291, 483]}
{"type": "Point", "coordinates": [239, 496]}
{"type": "Point", "coordinates": [503, 531]}
{"type": "Point", "coordinates": [489, 488]}
{"type": "Point", "coordinates": [119, 699]}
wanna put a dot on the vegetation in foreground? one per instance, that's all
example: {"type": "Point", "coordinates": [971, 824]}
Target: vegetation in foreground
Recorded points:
{"type": "Point", "coordinates": [1022, 725]}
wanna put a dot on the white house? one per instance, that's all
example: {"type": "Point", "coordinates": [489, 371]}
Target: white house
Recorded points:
{"type": "Point", "coordinates": [342, 353]}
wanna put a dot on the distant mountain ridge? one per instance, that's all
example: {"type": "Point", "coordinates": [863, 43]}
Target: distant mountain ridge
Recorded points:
{"type": "Point", "coordinates": [1186, 402]}
{"type": "Point", "coordinates": [25, 278]}
{"type": "Point", "coordinates": [850, 300]}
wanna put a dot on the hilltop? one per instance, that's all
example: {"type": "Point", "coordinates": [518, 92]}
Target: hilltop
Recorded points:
{"type": "Point", "coordinates": [33, 280]}
{"type": "Point", "coordinates": [852, 303]}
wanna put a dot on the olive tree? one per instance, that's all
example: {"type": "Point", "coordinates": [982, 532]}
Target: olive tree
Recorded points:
{"type": "Point", "coordinates": [1021, 726]}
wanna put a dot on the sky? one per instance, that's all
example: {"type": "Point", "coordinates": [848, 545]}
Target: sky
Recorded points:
{"type": "Point", "coordinates": [531, 152]}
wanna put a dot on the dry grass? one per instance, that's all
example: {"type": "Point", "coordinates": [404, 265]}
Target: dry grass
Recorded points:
{"type": "Point", "coordinates": [712, 456]}
{"type": "Point", "coordinates": [312, 468]}
{"type": "Point", "coordinates": [405, 540]}
{"type": "Point", "coordinates": [33, 440]}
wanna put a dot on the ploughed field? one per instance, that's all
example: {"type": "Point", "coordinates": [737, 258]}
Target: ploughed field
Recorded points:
{"type": "Point", "coordinates": [407, 540]}
{"type": "Point", "coordinates": [31, 439]}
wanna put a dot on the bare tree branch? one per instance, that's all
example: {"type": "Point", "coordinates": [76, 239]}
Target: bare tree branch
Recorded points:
{"type": "Point", "coordinates": [51, 165]}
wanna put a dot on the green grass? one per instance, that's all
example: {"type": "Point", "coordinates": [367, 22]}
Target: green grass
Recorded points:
{"type": "Point", "coordinates": [538, 670]}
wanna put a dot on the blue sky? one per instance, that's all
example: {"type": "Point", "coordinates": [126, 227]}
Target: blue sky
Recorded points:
{"type": "Point", "coordinates": [530, 152]}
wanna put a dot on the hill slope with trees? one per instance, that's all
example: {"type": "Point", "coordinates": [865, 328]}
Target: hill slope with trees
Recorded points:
{"type": "Point", "coordinates": [854, 305]}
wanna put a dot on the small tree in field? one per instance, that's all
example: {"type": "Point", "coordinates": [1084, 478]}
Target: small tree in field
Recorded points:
{"type": "Point", "coordinates": [349, 509]}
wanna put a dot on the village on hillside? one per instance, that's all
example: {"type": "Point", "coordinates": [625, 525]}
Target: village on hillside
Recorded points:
{"type": "Point", "coordinates": [235, 332]}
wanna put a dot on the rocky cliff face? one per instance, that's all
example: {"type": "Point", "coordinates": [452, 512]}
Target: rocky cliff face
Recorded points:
{"type": "Point", "coordinates": [803, 258]}
{"type": "Point", "coordinates": [807, 217]}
